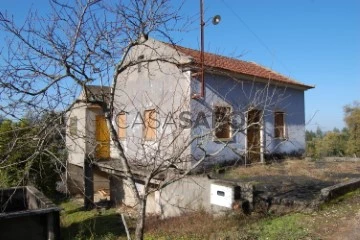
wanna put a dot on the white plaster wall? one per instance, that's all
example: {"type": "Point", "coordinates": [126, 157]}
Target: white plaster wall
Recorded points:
{"type": "Point", "coordinates": [76, 145]}
{"type": "Point", "coordinates": [159, 85]}
{"type": "Point", "coordinates": [84, 143]}
{"type": "Point", "coordinates": [186, 195]}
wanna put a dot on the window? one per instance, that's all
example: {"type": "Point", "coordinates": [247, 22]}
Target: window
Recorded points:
{"type": "Point", "coordinates": [121, 122]}
{"type": "Point", "coordinates": [279, 125]}
{"type": "Point", "coordinates": [150, 125]}
{"type": "Point", "coordinates": [140, 58]}
{"type": "Point", "coordinates": [73, 126]}
{"type": "Point", "coordinates": [222, 122]}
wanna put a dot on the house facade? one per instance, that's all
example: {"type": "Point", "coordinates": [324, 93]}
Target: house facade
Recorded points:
{"type": "Point", "coordinates": [245, 113]}
{"type": "Point", "coordinates": [256, 112]}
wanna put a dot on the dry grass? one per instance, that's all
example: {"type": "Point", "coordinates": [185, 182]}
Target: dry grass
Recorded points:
{"type": "Point", "coordinates": [197, 225]}
{"type": "Point", "coordinates": [324, 170]}
{"type": "Point", "coordinates": [187, 224]}
{"type": "Point", "coordinates": [342, 213]}
{"type": "Point", "coordinates": [338, 218]}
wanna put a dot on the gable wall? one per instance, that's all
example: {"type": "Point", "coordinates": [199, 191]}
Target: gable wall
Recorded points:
{"type": "Point", "coordinates": [159, 85]}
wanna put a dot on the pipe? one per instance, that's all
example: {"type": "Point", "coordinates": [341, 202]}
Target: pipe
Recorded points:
{"type": "Point", "coordinates": [202, 24]}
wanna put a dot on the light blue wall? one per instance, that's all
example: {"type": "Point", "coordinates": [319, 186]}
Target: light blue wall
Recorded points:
{"type": "Point", "coordinates": [240, 95]}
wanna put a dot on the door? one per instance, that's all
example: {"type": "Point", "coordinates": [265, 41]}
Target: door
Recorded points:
{"type": "Point", "coordinates": [102, 138]}
{"type": "Point", "coordinates": [253, 135]}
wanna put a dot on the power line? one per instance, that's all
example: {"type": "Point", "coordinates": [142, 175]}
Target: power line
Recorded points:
{"type": "Point", "coordinates": [256, 36]}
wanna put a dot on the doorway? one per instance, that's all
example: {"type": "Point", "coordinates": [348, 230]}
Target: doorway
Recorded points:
{"type": "Point", "coordinates": [253, 135]}
{"type": "Point", "coordinates": [102, 150]}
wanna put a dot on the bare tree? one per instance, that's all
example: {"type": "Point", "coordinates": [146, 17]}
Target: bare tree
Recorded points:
{"type": "Point", "coordinates": [47, 61]}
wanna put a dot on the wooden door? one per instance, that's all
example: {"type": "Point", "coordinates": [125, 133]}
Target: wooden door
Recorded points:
{"type": "Point", "coordinates": [253, 135]}
{"type": "Point", "coordinates": [102, 138]}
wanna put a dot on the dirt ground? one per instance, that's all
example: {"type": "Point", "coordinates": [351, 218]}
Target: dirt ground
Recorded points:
{"type": "Point", "coordinates": [295, 183]}
{"type": "Point", "coordinates": [334, 170]}
{"type": "Point", "coordinates": [338, 221]}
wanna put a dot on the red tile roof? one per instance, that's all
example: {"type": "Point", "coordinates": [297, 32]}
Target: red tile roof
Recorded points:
{"type": "Point", "coordinates": [238, 66]}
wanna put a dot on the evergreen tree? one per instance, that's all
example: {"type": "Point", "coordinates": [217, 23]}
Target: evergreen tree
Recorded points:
{"type": "Point", "coordinates": [352, 119]}
{"type": "Point", "coordinates": [25, 160]}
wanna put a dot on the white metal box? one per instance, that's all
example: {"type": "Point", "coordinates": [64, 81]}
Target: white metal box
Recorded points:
{"type": "Point", "coordinates": [221, 195]}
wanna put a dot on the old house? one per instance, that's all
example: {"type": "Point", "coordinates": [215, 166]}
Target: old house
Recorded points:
{"type": "Point", "coordinates": [165, 113]}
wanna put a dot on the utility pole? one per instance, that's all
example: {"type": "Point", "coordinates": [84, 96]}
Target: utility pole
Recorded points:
{"type": "Point", "coordinates": [215, 21]}
{"type": "Point", "coordinates": [202, 24]}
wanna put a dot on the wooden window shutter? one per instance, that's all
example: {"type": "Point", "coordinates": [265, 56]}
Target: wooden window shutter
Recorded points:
{"type": "Point", "coordinates": [279, 125]}
{"type": "Point", "coordinates": [73, 126]}
{"type": "Point", "coordinates": [222, 122]}
{"type": "Point", "coordinates": [150, 125]}
{"type": "Point", "coordinates": [121, 122]}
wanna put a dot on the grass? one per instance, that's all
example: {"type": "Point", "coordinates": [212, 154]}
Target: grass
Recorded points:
{"type": "Point", "coordinates": [284, 227]}
{"type": "Point", "coordinates": [79, 224]}
{"type": "Point", "coordinates": [106, 224]}
{"type": "Point", "coordinates": [200, 225]}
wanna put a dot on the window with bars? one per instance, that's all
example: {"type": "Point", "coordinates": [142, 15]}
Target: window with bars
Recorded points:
{"type": "Point", "coordinates": [279, 125]}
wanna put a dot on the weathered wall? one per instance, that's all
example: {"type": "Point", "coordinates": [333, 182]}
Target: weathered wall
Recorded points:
{"type": "Point", "coordinates": [193, 193]}
{"type": "Point", "coordinates": [76, 144]}
{"type": "Point", "coordinates": [159, 85]}
{"type": "Point", "coordinates": [242, 94]}
{"type": "Point", "coordinates": [120, 193]}
{"type": "Point", "coordinates": [83, 144]}
{"type": "Point", "coordinates": [186, 195]}
{"type": "Point", "coordinates": [189, 194]}
{"type": "Point", "coordinates": [76, 179]}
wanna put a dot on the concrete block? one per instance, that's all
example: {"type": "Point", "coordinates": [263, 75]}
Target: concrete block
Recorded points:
{"type": "Point", "coordinates": [339, 189]}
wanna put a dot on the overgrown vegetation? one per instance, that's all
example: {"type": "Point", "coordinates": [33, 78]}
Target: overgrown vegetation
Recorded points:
{"type": "Point", "coordinates": [106, 224]}
{"type": "Point", "coordinates": [337, 143]}
{"type": "Point", "coordinates": [95, 224]}
{"type": "Point", "coordinates": [25, 161]}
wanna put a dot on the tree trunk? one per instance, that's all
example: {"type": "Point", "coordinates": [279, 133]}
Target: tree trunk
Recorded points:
{"type": "Point", "coordinates": [140, 224]}
{"type": "Point", "coordinates": [125, 164]}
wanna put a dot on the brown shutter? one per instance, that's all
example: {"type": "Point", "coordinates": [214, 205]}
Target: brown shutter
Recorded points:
{"type": "Point", "coordinates": [122, 126]}
{"type": "Point", "coordinates": [150, 125]}
{"type": "Point", "coordinates": [279, 125]}
{"type": "Point", "coordinates": [222, 122]}
{"type": "Point", "coordinates": [73, 126]}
